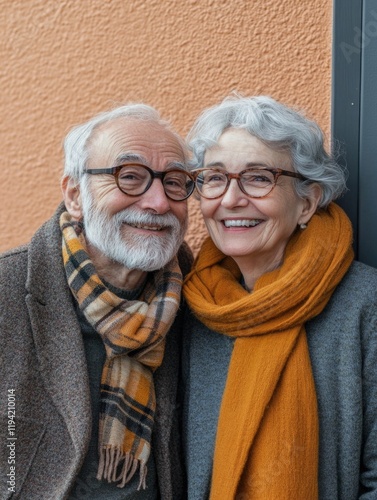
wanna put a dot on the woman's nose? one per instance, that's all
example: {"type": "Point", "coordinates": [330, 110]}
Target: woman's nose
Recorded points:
{"type": "Point", "coordinates": [234, 196]}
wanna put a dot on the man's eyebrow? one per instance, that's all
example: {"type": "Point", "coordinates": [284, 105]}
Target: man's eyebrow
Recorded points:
{"type": "Point", "coordinates": [132, 157]}
{"type": "Point", "coordinates": [177, 164]}
{"type": "Point", "coordinates": [125, 158]}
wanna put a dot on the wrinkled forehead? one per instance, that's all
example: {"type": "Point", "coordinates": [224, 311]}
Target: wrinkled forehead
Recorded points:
{"type": "Point", "coordinates": [237, 145]}
{"type": "Point", "coordinates": [151, 141]}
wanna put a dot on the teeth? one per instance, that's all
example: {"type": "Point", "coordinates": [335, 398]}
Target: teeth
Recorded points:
{"type": "Point", "coordinates": [149, 228]}
{"type": "Point", "coordinates": [241, 223]}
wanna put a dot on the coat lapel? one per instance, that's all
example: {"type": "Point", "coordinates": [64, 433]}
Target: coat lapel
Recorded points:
{"type": "Point", "coordinates": [57, 334]}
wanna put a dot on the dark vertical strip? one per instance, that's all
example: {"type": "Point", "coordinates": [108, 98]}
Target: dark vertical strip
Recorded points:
{"type": "Point", "coordinates": [368, 137]}
{"type": "Point", "coordinates": [346, 84]}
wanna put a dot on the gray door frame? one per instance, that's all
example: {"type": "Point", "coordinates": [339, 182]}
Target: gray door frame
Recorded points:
{"type": "Point", "coordinates": [354, 116]}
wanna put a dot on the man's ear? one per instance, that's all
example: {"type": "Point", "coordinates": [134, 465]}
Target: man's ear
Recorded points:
{"type": "Point", "coordinates": [311, 203]}
{"type": "Point", "coordinates": [72, 197]}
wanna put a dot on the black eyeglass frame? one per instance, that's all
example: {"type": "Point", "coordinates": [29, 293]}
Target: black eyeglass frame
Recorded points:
{"type": "Point", "coordinates": [154, 174]}
{"type": "Point", "coordinates": [276, 172]}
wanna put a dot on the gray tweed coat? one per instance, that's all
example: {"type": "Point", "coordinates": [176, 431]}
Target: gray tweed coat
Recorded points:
{"type": "Point", "coordinates": [43, 365]}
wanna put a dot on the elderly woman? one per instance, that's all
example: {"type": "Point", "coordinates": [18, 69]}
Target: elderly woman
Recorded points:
{"type": "Point", "coordinates": [280, 354]}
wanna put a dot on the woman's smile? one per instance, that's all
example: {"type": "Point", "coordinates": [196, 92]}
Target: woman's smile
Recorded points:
{"type": "Point", "coordinates": [241, 223]}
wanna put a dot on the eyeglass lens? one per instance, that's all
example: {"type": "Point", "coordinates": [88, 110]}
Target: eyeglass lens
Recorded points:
{"type": "Point", "coordinates": [212, 183]}
{"type": "Point", "coordinates": [135, 180]}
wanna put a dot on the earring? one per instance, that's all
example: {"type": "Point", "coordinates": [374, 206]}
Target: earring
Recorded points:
{"type": "Point", "coordinates": [303, 226]}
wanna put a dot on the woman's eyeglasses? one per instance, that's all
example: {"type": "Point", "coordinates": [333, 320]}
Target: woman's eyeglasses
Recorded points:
{"type": "Point", "coordinates": [256, 182]}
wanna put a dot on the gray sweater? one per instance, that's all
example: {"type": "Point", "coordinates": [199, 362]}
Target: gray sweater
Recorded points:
{"type": "Point", "coordinates": [343, 350]}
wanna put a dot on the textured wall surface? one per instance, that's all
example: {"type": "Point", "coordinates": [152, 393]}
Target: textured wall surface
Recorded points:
{"type": "Point", "coordinates": [63, 61]}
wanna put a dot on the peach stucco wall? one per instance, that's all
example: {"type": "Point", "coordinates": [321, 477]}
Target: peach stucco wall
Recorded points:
{"type": "Point", "coordinates": [63, 61]}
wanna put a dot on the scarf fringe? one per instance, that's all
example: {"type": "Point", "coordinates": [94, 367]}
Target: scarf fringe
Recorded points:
{"type": "Point", "coordinates": [110, 459]}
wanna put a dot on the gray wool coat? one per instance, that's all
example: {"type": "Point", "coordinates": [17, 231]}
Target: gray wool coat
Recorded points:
{"type": "Point", "coordinates": [342, 343]}
{"type": "Point", "coordinates": [43, 365]}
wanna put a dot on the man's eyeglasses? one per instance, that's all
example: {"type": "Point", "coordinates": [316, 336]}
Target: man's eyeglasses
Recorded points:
{"type": "Point", "coordinates": [256, 182]}
{"type": "Point", "coordinates": [135, 180]}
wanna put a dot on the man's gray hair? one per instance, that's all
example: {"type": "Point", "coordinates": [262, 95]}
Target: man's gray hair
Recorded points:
{"type": "Point", "coordinates": [78, 139]}
{"type": "Point", "coordinates": [279, 127]}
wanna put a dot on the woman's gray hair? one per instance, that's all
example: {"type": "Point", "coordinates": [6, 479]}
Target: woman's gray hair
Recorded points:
{"type": "Point", "coordinates": [77, 141]}
{"type": "Point", "coordinates": [278, 127]}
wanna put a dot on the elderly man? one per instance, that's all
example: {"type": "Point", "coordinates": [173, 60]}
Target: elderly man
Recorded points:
{"type": "Point", "coordinates": [89, 370]}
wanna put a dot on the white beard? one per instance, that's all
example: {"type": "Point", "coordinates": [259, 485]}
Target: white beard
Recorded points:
{"type": "Point", "coordinates": [143, 252]}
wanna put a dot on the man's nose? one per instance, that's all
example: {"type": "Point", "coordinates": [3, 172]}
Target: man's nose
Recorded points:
{"type": "Point", "coordinates": [155, 198]}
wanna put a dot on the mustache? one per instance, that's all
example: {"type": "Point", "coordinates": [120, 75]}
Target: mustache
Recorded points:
{"type": "Point", "coordinates": [132, 216]}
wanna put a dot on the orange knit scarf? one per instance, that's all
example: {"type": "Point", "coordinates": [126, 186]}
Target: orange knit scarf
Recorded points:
{"type": "Point", "coordinates": [267, 436]}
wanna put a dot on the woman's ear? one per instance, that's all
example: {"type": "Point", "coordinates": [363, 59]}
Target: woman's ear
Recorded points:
{"type": "Point", "coordinates": [310, 203]}
{"type": "Point", "coordinates": [72, 197]}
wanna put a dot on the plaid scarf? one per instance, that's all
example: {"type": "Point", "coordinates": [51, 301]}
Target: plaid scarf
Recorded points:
{"type": "Point", "coordinates": [133, 333]}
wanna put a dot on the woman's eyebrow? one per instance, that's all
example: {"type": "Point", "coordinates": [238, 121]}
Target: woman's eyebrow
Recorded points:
{"type": "Point", "coordinates": [215, 164]}
{"type": "Point", "coordinates": [249, 164]}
